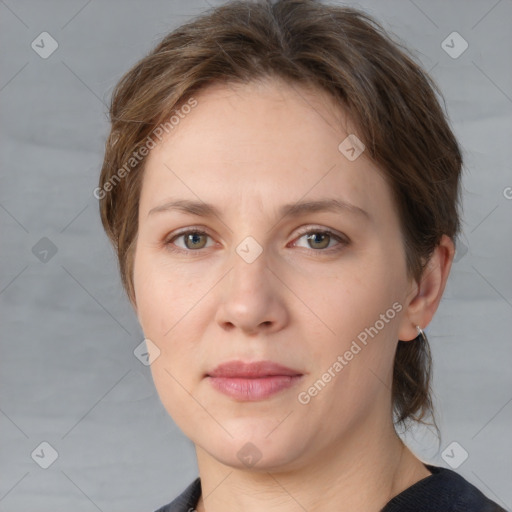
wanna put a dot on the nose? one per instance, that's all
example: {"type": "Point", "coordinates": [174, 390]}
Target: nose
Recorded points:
{"type": "Point", "coordinates": [252, 298]}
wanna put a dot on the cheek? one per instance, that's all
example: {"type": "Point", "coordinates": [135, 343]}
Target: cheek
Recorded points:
{"type": "Point", "coordinates": [362, 308]}
{"type": "Point", "coordinates": [166, 316]}
{"type": "Point", "coordinates": [170, 312]}
{"type": "Point", "coordinates": [161, 295]}
{"type": "Point", "coordinates": [358, 295]}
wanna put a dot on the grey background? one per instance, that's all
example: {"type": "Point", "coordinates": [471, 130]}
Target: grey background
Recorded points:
{"type": "Point", "coordinates": [68, 371]}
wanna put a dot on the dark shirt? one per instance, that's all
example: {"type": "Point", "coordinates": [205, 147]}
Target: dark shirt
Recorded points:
{"type": "Point", "coordinates": [443, 491]}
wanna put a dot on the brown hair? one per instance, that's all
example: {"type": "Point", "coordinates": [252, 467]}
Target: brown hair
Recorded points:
{"type": "Point", "coordinates": [343, 51]}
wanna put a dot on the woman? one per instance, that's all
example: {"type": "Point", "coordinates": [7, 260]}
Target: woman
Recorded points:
{"type": "Point", "coordinates": [282, 188]}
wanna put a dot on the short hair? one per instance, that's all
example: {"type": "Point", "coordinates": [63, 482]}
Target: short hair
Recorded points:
{"type": "Point", "coordinates": [392, 103]}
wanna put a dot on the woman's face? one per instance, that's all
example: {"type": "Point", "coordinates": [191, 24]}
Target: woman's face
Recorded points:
{"type": "Point", "coordinates": [252, 285]}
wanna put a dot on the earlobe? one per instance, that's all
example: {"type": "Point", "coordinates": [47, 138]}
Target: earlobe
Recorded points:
{"type": "Point", "coordinates": [426, 295]}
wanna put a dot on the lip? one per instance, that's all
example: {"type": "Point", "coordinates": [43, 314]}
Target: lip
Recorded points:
{"type": "Point", "coordinates": [254, 370]}
{"type": "Point", "coordinates": [252, 381]}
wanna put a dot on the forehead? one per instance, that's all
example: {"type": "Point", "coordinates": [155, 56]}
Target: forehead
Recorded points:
{"type": "Point", "coordinates": [264, 142]}
{"type": "Point", "coordinates": [252, 113]}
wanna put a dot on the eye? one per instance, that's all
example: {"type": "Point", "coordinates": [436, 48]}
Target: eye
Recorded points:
{"type": "Point", "coordinates": [192, 240]}
{"type": "Point", "coordinates": [321, 239]}
{"type": "Point", "coordinates": [317, 240]}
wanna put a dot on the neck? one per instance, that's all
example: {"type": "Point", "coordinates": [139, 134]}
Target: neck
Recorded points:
{"type": "Point", "coordinates": [361, 472]}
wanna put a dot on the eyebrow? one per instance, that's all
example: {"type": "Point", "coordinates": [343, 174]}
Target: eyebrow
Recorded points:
{"type": "Point", "coordinates": [203, 209]}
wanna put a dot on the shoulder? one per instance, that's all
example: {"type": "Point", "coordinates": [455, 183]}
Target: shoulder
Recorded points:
{"type": "Point", "coordinates": [186, 501]}
{"type": "Point", "coordinates": [444, 490]}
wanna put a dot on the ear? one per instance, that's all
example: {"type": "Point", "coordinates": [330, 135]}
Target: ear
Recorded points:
{"type": "Point", "coordinates": [424, 297]}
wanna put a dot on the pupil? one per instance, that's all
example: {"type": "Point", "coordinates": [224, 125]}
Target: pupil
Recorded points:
{"type": "Point", "coordinates": [194, 238]}
{"type": "Point", "coordinates": [315, 237]}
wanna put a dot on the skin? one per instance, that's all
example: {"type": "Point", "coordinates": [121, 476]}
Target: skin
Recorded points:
{"type": "Point", "coordinates": [248, 149]}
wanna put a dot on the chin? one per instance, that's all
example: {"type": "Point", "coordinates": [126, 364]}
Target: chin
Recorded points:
{"type": "Point", "coordinates": [257, 451]}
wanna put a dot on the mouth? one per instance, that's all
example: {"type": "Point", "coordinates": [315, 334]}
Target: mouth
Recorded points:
{"type": "Point", "coordinates": [252, 381]}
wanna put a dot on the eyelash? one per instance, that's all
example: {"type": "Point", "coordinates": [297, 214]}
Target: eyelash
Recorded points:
{"type": "Point", "coordinates": [342, 241]}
